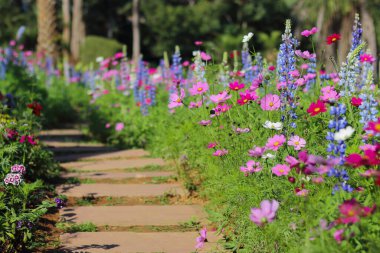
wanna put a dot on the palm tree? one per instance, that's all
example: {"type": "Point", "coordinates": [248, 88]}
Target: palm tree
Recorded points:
{"type": "Point", "coordinates": [77, 29]}
{"type": "Point", "coordinates": [136, 31]}
{"type": "Point", "coordinates": [46, 28]}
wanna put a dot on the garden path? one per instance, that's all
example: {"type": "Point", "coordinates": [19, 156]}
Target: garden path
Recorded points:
{"type": "Point", "coordinates": [136, 202]}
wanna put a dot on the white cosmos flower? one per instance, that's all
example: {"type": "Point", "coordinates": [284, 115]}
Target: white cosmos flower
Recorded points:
{"type": "Point", "coordinates": [247, 37]}
{"type": "Point", "coordinates": [344, 134]}
{"type": "Point", "coordinates": [268, 156]}
{"type": "Point", "coordinates": [273, 125]}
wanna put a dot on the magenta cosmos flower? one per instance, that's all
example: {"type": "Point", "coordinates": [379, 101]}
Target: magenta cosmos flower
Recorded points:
{"type": "Point", "coordinates": [256, 151]}
{"type": "Point", "coordinates": [367, 58]}
{"type": "Point", "coordinates": [220, 152]}
{"type": "Point", "coordinates": [236, 86]}
{"type": "Point", "coordinates": [270, 102]}
{"type": "Point", "coordinates": [220, 98]}
{"type": "Point", "coordinates": [266, 212]}
{"type": "Point", "coordinates": [205, 122]}
{"type": "Point", "coordinates": [198, 89]}
{"type": "Point", "coordinates": [281, 170]}
{"type": "Point", "coordinates": [205, 57]}
{"type": "Point", "coordinates": [297, 142]}
{"type": "Point", "coordinates": [275, 142]}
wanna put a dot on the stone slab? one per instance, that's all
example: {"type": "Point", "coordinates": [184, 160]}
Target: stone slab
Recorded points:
{"type": "Point", "coordinates": [120, 190]}
{"type": "Point", "coordinates": [113, 164]}
{"type": "Point", "coordinates": [132, 153]}
{"type": "Point", "coordinates": [131, 242]}
{"type": "Point", "coordinates": [126, 216]}
{"type": "Point", "coordinates": [118, 175]}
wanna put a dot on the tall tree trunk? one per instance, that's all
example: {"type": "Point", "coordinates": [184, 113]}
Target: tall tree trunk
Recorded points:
{"type": "Point", "coordinates": [66, 25]}
{"type": "Point", "coordinates": [77, 29]}
{"type": "Point", "coordinates": [136, 31]}
{"type": "Point", "coordinates": [320, 20]}
{"type": "Point", "coordinates": [46, 28]}
{"type": "Point", "coordinates": [346, 35]}
{"type": "Point", "coordinates": [369, 32]}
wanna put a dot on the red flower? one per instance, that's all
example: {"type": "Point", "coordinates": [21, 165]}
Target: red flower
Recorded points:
{"type": "Point", "coordinates": [271, 68]}
{"type": "Point", "coordinates": [36, 107]}
{"type": "Point", "coordinates": [374, 126]}
{"type": "Point", "coordinates": [316, 108]}
{"type": "Point", "coordinates": [356, 101]}
{"type": "Point", "coordinates": [236, 86]}
{"type": "Point", "coordinates": [366, 58]}
{"type": "Point", "coordinates": [333, 38]}
{"type": "Point", "coordinates": [244, 98]}
{"type": "Point", "coordinates": [351, 211]}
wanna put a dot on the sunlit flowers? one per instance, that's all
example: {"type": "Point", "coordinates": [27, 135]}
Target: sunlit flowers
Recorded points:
{"type": "Point", "coordinates": [351, 211]}
{"type": "Point", "coordinates": [198, 89]}
{"type": "Point", "coordinates": [119, 127]}
{"type": "Point", "coordinates": [36, 108]}
{"type": "Point", "coordinates": [329, 94]}
{"type": "Point", "coordinates": [297, 142]}
{"type": "Point", "coordinates": [275, 142]}
{"type": "Point", "coordinates": [367, 58]}
{"type": "Point", "coordinates": [266, 213]}
{"type": "Point", "coordinates": [273, 125]}
{"type": "Point", "coordinates": [374, 126]}
{"type": "Point", "coordinates": [270, 102]}
{"type": "Point", "coordinates": [316, 108]}
{"type": "Point", "coordinates": [344, 133]}
{"type": "Point", "coordinates": [281, 170]}
{"type": "Point", "coordinates": [333, 38]}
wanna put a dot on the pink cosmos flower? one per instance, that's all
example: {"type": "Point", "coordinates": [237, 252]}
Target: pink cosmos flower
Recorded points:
{"type": "Point", "coordinates": [310, 32]}
{"type": "Point", "coordinates": [29, 139]}
{"type": "Point", "coordinates": [205, 57]}
{"type": "Point", "coordinates": [220, 98]}
{"type": "Point", "coordinates": [186, 63]}
{"type": "Point", "coordinates": [300, 81]}
{"type": "Point", "coordinates": [271, 68]}
{"type": "Point", "coordinates": [329, 94]}
{"type": "Point", "coordinates": [236, 86]}
{"type": "Point", "coordinates": [304, 66]}
{"type": "Point", "coordinates": [201, 239]}
{"type": "Point", "coordinates": [294, 73]}
{"type": "Point", "coordinates": [266, 212]}
{"type": "Point", "coordinates": [205, 122]}
{"type": "Point", "coordinates": [198, 89]}
{"type": "Point", "coordinates": [297, 142]}
{"type": "Point", "coordinates": [318, 180]}
{"type": "Point", "coordinates": [118, 55]}
{"type": "Point", "coordinates": [244, 98]}
{"type": "Point", "coordinates": [351, 211]}
{"type": "Point", "coordinates": [198, 43]}
{"type": "Point", "coordinates": [302, 193]}
{"type": "Point", "coordinates": [221, 108]}
{"type": "Point", "coordinates": [241, 130]}
{"type": "Point", "coordinates": [367, 147]}
{"type": "Point", "coordinates": [220, 152]}
{"type": "Point", "coordinates": [175, 100]}
{"type": "Point", "coordinates": [270, 102]}
{"type": "Point", "coordinates": [275, 142]}
{"type": "Point", "coordinates": [367, 58]}
{"type": "Point", "coordinates": [281, 170]}
{"type": "Point", "coordinates": [305, 54]}
{"type": "Point", "coordinates": [119, 126]}
{"type": "Point", "coordinates": [256, 82]}
{"type": "Point", "coordinates": [251, 167]}
{"type": "Point", "coordinates": [338, 235]}
{"type": "Point", "coordinates": [196, 104]}
{"type": "Point", "coordinates": [108, 125]}
{"type": "Point", "coordinates": [256, 151]}
{"type": "Point", "coordinates": [356, 101]}
{"type": "Point", "coordinates": [12, 43]}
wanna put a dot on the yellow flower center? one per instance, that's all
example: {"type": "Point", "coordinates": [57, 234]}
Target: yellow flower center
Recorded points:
{"type": "Point", "coordinates": [276, 143]}
{"type": "Point", "coordinates": [317, 109]}
{"type": "Point", "coordinates": [271, 104]}
{"type": "Point", "coordinates": [377, 127]}
{"type": "Point", "coordinates": [178, 100]}
{"type": "Point", "coordinates": [333, 39]}
{"type": "Point", "coordinates": [281, 170]}
{"type": "Point", "coordinates": [200, 89]}
{"type": "Point", "coordinates": [297, 143]}
{"type": "Point", "coordinates": [245, 100]}
{"type": "Point", "coordinates": [351, 213]}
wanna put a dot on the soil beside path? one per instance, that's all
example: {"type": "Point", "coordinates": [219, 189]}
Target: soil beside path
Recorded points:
{"type": "Point", "coordinates": [154, 223]}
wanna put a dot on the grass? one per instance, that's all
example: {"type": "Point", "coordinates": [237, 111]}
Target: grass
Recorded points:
{"type": "Point", "coordinates": [73, 228]}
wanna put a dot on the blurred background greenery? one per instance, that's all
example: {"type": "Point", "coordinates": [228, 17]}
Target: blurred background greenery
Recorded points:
{"type": "Point", "coordinates": [84, 29]}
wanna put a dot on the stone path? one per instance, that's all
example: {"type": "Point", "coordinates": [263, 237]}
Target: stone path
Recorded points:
{"type": "Point", "coordinates": [128, 227]}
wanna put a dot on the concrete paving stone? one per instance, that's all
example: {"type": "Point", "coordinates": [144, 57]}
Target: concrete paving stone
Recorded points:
{"type": "Point", "coordinates": [117, 175]}
{"type": "Point", "coordinates": [113, 164]}
{"type": "Point", "coordinates": [132, 153]}
{"type": "Point", "coordinates": [131, 242]}
{"type": "Point", "coordinates": [126, 216]}
{"type": "Point", "coordinates": [120, 190]}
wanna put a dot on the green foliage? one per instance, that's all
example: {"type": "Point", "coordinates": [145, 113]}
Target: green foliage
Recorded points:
{"type": "Point", "coordinates": [95, 46]}
{"type": "Point", "coordinates": [73, 228]}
